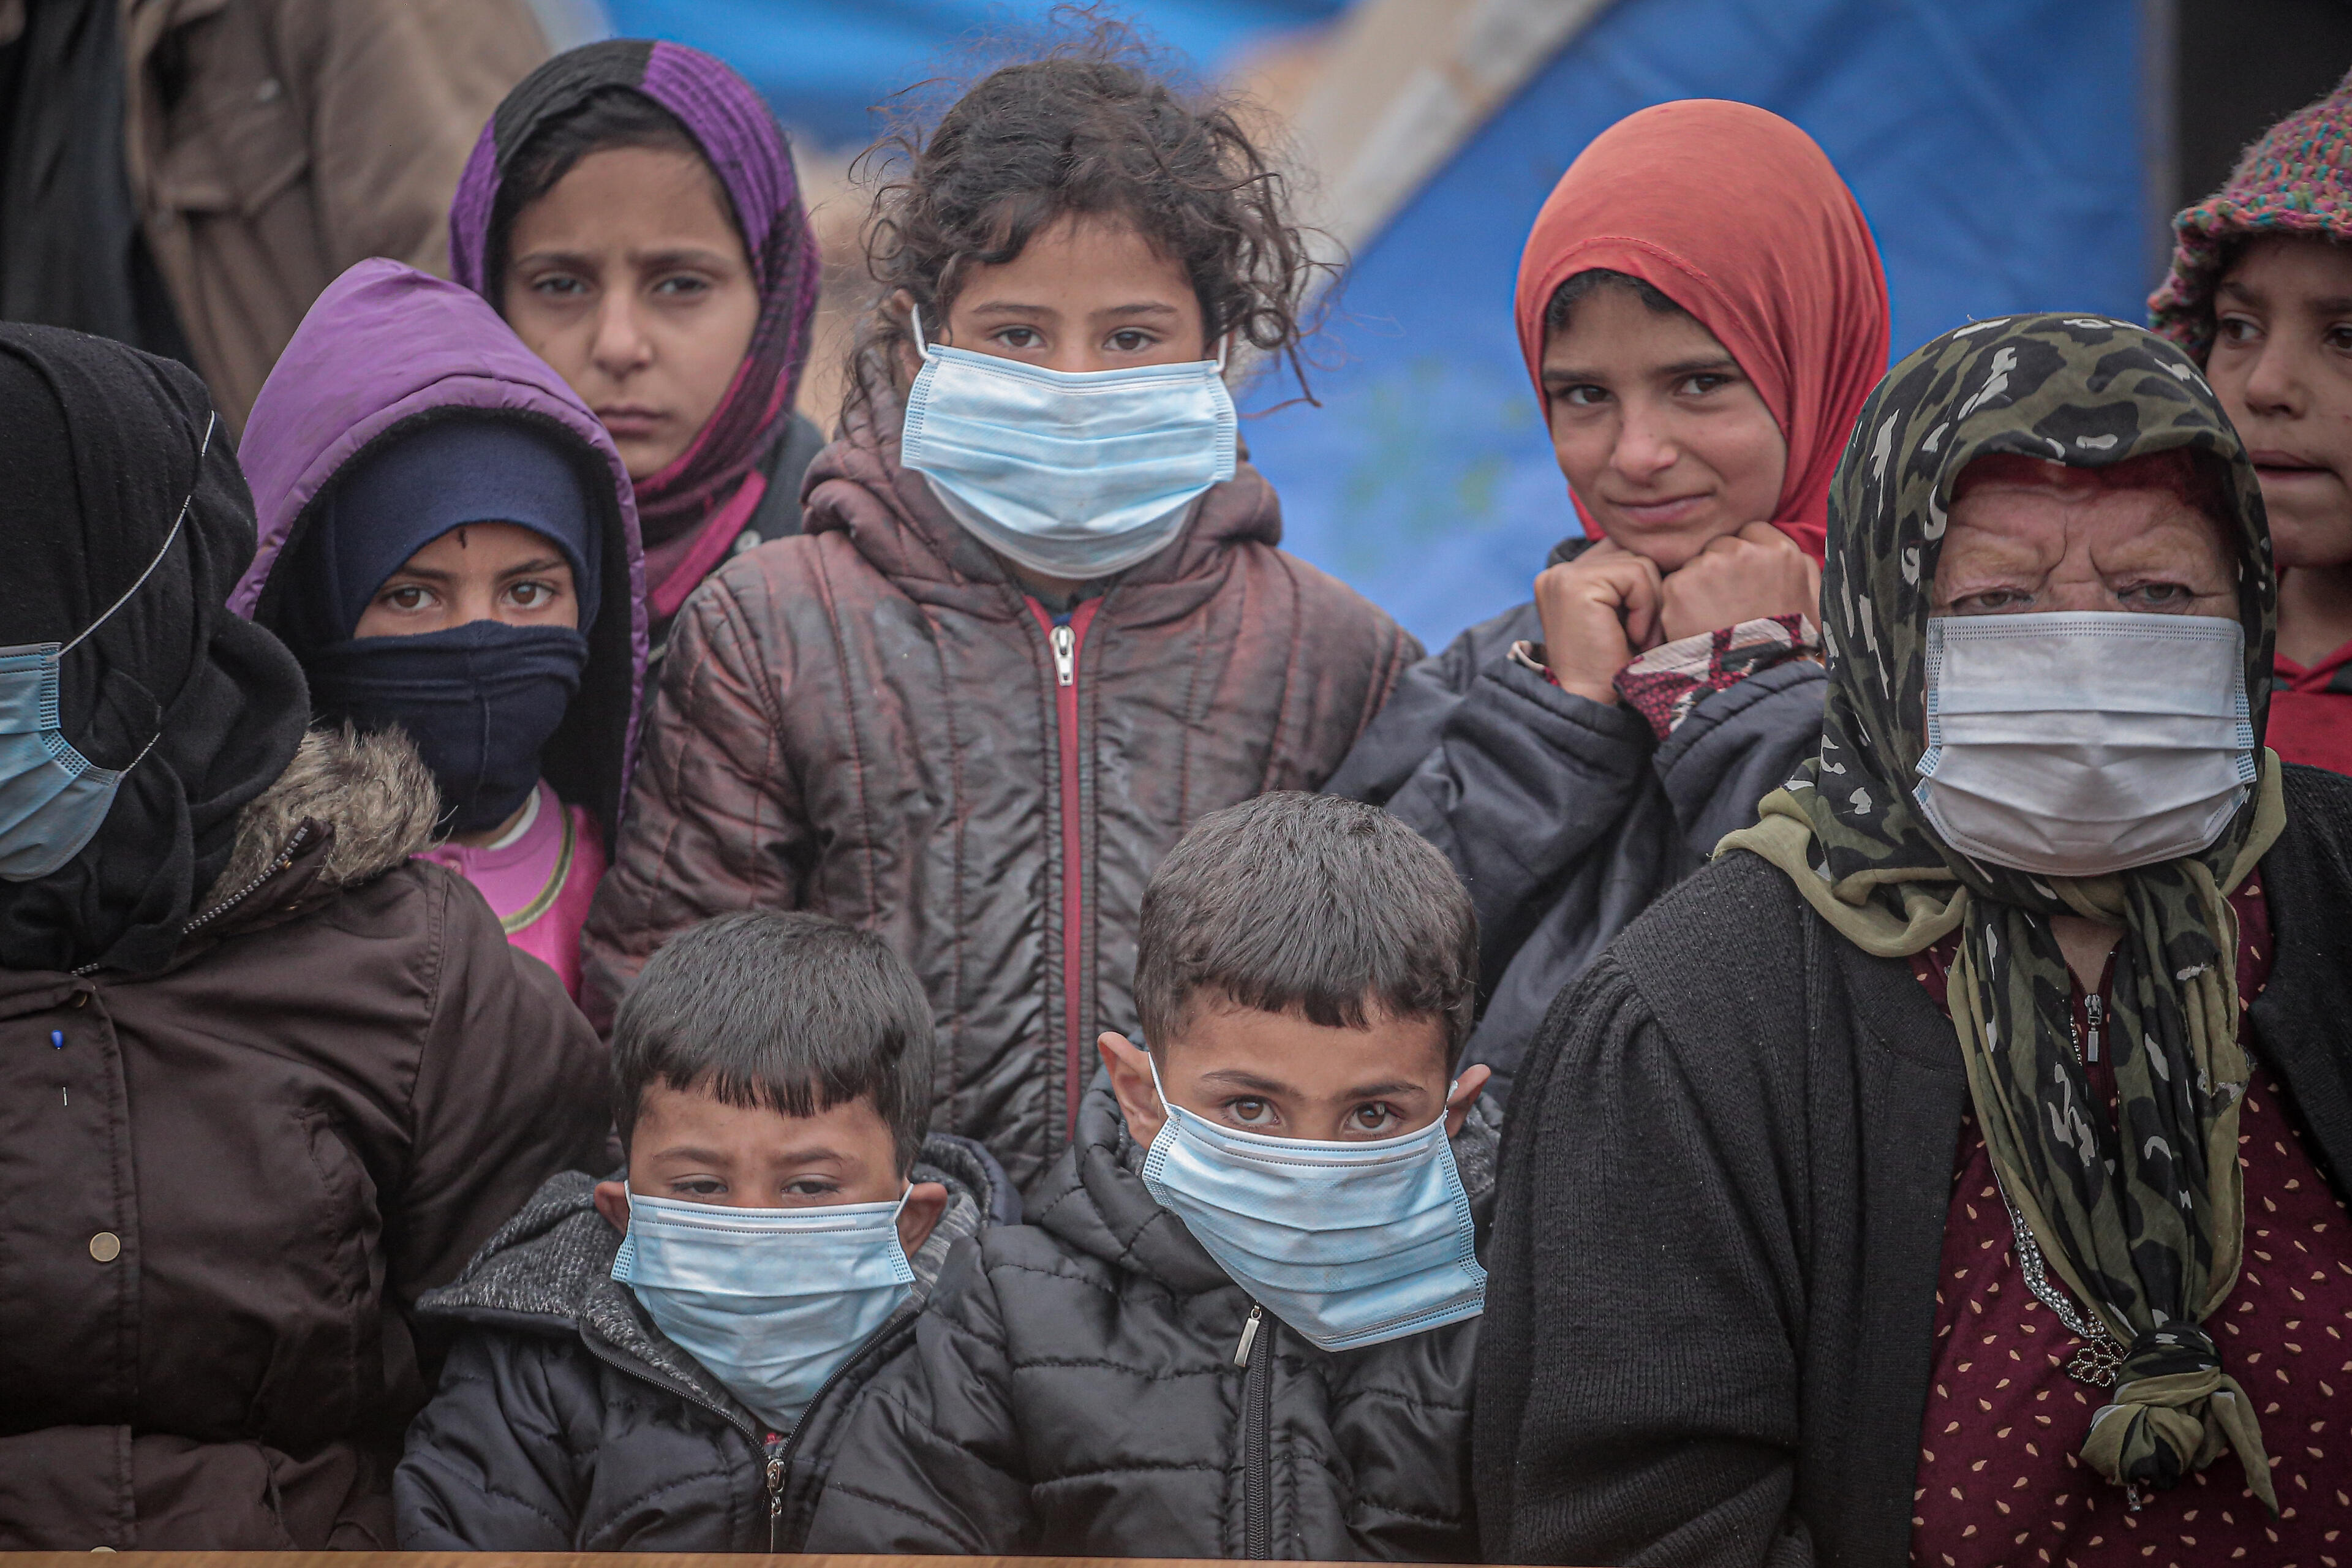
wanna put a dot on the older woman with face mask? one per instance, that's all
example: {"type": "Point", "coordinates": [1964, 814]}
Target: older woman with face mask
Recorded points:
{"type": "Point", "coordinates": [1957, 1167]}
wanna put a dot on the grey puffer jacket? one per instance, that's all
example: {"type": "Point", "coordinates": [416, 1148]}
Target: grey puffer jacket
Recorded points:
{"type": "Point", "coordinates": [1566, 817]}
{"type": "Point", "coordinates": [567, 1422]}
{"type": "Point", "coordinates": [1079, 1397]}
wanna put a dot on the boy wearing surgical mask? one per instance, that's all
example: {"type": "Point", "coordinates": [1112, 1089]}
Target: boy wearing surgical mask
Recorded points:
{"type": "Point", "coordinates": [1242, 1323]}
{"type": "Point", "coordinates": [666, 1361]}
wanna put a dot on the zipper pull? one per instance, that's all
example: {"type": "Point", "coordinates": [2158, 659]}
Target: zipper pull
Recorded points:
{"type": "Point", "coordinates": [1249, 1335]}
{"type": "Point", "coordinates": [2094, 1011]}
{"type": "Point", "coordinates": [775, 1487]}
{"type": "Point", "coordinates": [1066, 656]}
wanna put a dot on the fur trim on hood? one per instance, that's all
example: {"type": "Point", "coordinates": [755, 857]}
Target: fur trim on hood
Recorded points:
{"type": "Point", "coordinates": [373, 791]}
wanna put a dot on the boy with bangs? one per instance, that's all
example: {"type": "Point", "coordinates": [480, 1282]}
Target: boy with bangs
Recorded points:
{"type": "Point", "coordinates": [1242, 1320]}
{"type": "Point", "coordinates": [665, 1361]}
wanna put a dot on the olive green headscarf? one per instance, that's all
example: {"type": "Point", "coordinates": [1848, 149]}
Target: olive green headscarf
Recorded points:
{"type": "Point", "coordinates": [2144, 1227]}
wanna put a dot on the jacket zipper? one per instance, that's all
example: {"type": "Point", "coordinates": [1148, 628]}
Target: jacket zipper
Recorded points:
{"type": "Point", "coordinates": [775, 1466]}
{"type": "Point", "coordinates": [1065, 640]}
{"type": "Point", "coordinates": [285, 858]}
{"type": "Point", "coordinates": [2095, 1009]}
{"type": "Point", "coordinates": [1257, 1434]}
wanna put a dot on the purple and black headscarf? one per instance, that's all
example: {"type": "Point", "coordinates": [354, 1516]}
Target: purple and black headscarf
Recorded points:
{"type": "Point", "coordinates": [745, 145]}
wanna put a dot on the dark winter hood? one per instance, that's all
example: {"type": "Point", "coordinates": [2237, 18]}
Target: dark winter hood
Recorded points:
{"type": "Point", "coordinates": [385, 349]}
{"type": "Point", "coordinates": [550, 1269]}
{"type": "Point", "coordinates": [1095, 1199]}
{"type": "Point", "coordinates": [857, 487]}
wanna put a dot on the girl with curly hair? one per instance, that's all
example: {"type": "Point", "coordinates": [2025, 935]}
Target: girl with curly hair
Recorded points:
{"type": "Point", "coordinates": [1036, 624]}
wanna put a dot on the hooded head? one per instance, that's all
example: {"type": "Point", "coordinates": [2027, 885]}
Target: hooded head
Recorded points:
{"type": "Point", "coordinates": [403, 409]}
{"type": "Point", "coordinates": [127, 522]}
{"type": "Point", "coordinates": [1735, 216]}
{"type": "Point", "coordinates": [2296, 180]}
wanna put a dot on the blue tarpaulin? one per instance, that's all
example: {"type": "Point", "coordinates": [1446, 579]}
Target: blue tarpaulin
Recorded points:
{"type": "Point", "coordinates": [824, 64]}
{"type": "Point", "coordinates": [1996, 147]}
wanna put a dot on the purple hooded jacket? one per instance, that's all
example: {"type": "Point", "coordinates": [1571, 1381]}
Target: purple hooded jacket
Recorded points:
{"type": "Point", "coordinates": [386, 345]}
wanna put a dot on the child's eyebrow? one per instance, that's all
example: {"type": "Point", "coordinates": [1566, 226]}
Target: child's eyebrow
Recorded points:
{"type": "Point", "coordinates": [1014, 308]}
{"type": "Point", "coordinates": [1235, 1077]}
{"type": "Point", "coordinates": [1141, 308]}
{"type": "Point", "coordinates": [430, 574]}
{"type": "Point", "coordinates": [547, 563]}
{"type": "Point", "coordinates": [1384, 1091]}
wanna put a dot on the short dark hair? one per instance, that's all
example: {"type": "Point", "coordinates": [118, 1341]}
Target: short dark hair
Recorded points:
{"type": "Point", "coordinates": [1562, 307]}
{"type": "Point", "coordinates": [790, 1012]}
{"type": "Point", "coordinates": [1312, 905]}
{"type": "Point", "coordinates": [611, 116]}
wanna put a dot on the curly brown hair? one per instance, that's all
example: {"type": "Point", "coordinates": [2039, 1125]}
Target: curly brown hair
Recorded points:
{"type": "Point", "coordinates": [1087, 129]}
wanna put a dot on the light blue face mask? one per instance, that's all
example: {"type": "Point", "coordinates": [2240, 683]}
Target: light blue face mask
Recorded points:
{"type": "Point", "coordinates": [1073, 474]}
{"type": "Point", "coordinates": [771, 1302]}
{"type": "Point", "coordinates": [53, 800]}
{"type": "Point", "coordinates": [1350, 1244]}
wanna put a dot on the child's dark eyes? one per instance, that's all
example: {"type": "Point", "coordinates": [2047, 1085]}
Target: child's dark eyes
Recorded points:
{"type": "Point", "coordinates": [699, 1187]}
{"type": "Point", "coordinates": [532, 595]}
{"type": "Point", "coordinates": [682, 284]}
{"type": "Point", "coordinates": [1701, 384]}
{"type": "Point", "coordinates": [558, 286]}
{"type": "Point", "coordinates": [406, 596]}
{"type": "Point", "coordinates": [1378, 1117]}
{"type": "Point", "coordinates": [1131, 341]}
{"type": "Point", "coordinates": [1021, 338]}
{"type": "Point", "coordinates": [1251, 1112]}
{"type": "Point", "coordinates": [810, 1187]}
{"type": "Point", "coordinates": [1585, 395]}
{"type": "Point", "coordinates": [2339, 337]}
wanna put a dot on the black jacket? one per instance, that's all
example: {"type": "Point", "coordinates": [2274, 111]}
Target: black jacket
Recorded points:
{"type": "Point", "coordinates": [1710, 1325]}
{"type": "Point", "coordinates": [1079, 1397]}
{"type": "Point", "coordinates": [1566, 817]}
{"type": "Point", "coordinates": [567, 1422]}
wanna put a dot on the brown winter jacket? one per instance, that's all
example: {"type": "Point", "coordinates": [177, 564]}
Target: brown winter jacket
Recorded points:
{"type": "Point", "coordinates": [225, 1184]}
{"type": "Point", "coordinates": [872, 720]}
{"type": "Point", "coordinates": [272, 143]}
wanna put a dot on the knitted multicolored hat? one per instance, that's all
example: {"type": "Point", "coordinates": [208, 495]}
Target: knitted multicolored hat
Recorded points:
{"type": "Point", "coordinates": [2296, 180]}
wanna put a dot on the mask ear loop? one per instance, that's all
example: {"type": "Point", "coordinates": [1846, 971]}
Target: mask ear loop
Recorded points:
{"type": "Point", "coordinates": [915, 318]}
{"type": "Point", "coordinates": [203, 446]}
{"type": "Point", "coordinates": [141, 582]}
{"type": "Point", "coordinates": [1224, 346]}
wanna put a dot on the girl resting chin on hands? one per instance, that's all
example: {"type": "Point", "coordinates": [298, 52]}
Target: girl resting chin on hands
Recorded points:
{"type": "Point", "coordinates": [1702, 313]}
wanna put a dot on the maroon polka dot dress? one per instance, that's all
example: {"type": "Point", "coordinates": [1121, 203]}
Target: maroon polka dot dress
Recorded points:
{"type": "Point", "coordinates": [1999, 1481]}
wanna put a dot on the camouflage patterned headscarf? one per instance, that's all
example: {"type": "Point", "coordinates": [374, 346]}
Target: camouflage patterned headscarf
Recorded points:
{"type": "Point", "coordinates": [2146, 1227]}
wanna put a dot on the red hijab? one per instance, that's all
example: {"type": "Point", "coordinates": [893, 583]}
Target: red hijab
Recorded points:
{"type": "Point", "coordinates": [1735, 215]}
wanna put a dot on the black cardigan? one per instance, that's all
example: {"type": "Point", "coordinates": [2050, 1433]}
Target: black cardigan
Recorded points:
{"type": "Point", "coordinates": [1708, 1333]}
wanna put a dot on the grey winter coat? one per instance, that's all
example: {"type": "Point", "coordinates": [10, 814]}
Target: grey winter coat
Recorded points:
{"type": "Point", "coordinates": [567, 1422]}
{"type": "Point", "coordinates": [1079, 1397]}
{"type": "Point", "coordinates": [1566, 817]}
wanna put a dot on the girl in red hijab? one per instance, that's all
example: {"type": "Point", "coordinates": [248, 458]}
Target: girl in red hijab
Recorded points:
{"type": "Point", "coordinates": [1703, 313]}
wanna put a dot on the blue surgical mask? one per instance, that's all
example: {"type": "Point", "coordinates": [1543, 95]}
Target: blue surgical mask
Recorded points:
{"type": "Point", "coordinates": [1350, 1244]}
{"type": "Point", "coordinates": [53, 800]}
{"type": "Point", "coordinates": [1073, 474]}
{"type": "Point", "coordinates": [771, 1302]}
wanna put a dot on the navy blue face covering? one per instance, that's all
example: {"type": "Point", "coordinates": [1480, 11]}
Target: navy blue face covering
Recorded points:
{"type": "Point", "coordinates": [480, 699]}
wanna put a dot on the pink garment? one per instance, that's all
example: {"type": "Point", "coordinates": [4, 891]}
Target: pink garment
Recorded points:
{"type": "Point", "coordinates": [540, 885]}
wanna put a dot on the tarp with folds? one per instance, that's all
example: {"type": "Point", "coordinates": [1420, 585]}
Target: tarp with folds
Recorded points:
{"type": "Point", "coordinates": [1998, 148]}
